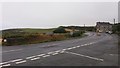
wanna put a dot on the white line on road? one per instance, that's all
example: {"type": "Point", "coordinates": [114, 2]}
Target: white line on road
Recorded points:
{"type": "Point", "coordinates": [46, 56]}
{"type": "Point", "coordinates": [78, 46]}
{"type": "Point", "coordinates": [21, 62]}
{"type": "Point", "coordinates": [12, 50]}
{"type": "Point", "coordinates": [4, 62]}
{"type": "Point", "coordinates": [41, 55]}
{"type": "Point", "coordinates": [50, 52]}
{"type": "Point", "coordinates": [35, 58]}
{"type": "Point", "coordinates": [30, 57]}
{"type": "Point", "coordinates": [16, 60]}
{"type": "Point", "coordinates": [6, 65]}
{"type": "Point", "coordinates": [69, 48]}
{"type": "Point", "coordinates": [62, 51]}
{"type": "Point", "coordinates": [58, 51]}
{"type": "Point", "coordinates": [85, 56]}
{"type": "Point", "coordinates": [55, 54]}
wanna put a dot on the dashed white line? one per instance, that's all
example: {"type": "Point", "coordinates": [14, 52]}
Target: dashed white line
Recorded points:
{"type": "Point", "coordinates": [21, 62]}
{"type": "Point", "coordinates": [30, 57]}
{"type": "Point", "coordinates": [78, 46]}
{"type": "Point", "coordinates": [50, 52]}
{"type": "Point", "coordinates": [54, 53]}
{"type": "Point", "coordinates": [4, 62]}
{"type": "Point", "coordinates": [35, 58]}
{"type": "Point", "coordinates": [85, 56]}
{"type": "Point", "coordinates": [69, 48]}
{"type": "Point", "coordinates": [62, 51]}
{"type": "Point", "coordinates": [6, 65]}
{"type": "Point", "coordinates": [46, 56]}
{"type": "Point", "coordinates": [41, 55]}
{"type": "Point", "coordinates": [58, 51]}
{"type": "Point", "coordinates": [16, 60]}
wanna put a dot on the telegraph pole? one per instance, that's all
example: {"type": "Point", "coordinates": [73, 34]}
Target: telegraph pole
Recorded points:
{"type": "Point", "coordinates": [84, 27]}
{"type": "Point", "coordinates": [114, 21]}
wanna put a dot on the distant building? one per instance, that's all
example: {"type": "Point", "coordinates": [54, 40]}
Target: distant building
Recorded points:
{"type": "Point", "coordinates": [103, 26]}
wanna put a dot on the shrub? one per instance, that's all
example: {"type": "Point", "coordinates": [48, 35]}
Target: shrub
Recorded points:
{"type": "Point", "coordinates": [59, 30]}
{"type": "Point", "coordinates": [77, 33]}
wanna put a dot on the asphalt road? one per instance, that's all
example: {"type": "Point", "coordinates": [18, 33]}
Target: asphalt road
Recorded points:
{"type": "Point", "coordinates": [91, 50]}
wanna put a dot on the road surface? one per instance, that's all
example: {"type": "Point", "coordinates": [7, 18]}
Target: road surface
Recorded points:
{"type": "Point", "coordinates": [91, 50]}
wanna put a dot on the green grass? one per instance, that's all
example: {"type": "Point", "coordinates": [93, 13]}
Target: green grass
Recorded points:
{"type": "Point", "coordinates": [37, 30]}
{"type": "Point", "coordinates": [24, 32]}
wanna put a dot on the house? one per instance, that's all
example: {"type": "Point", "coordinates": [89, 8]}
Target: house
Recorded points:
{"type": "Point", "coordinates": [103, 27]}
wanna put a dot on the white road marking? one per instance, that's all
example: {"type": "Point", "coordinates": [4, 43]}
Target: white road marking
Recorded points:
{"type": "Point", "coordinates": [50, 52]}
{"type": "Point", "coordinates": [5, 65]}
{"type": "Point", "coordinates": [54, 53]}
{"type": "Point", "coordinates": [86, 44]}
{"type": "Point", "coordinates": [1, 66]}
{"type": "Point", "coordinates": [35, 58]}
{"type": "Point", "coordinates": [86, 56]}
{"type": "Point", "coordinates": [73, 47]}
{"type": "Point", "coordinates": [12, 50]}
{"type": "Point", "coordinates": [46, 56]}
{"type": "Point", "coordinates": [62, 51]}
{"type": "Point", "coordinates": [21, 62]}
{"type": "Point", "coordinates": [30, 57]}
{"type": "Point", "coordinates": [4, 62]}
{"type": "Point", "coordinates": [69, 48]}
{"type": "Point", "coordinates": [58, 51]}
{"type": "Point", "coordinates": [16, 60]}
{"type": "Point", "coordinates": [41, 55]}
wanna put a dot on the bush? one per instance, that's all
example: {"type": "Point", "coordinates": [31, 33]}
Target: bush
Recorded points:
{"type": "Point", "coordinates": [59, 30]}
{"type": "Point", "coordinates": [77, 33]}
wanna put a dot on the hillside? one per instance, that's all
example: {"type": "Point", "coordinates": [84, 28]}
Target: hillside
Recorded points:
{"type": "Point", "coordinates": [23, 31]}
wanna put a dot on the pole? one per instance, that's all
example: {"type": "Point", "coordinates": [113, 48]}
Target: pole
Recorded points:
{"type": "Point", "coordinates": [84, 27]}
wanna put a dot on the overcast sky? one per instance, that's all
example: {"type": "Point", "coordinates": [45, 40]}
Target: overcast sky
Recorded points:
{"type": "Point", "coordinates": [54, 14]}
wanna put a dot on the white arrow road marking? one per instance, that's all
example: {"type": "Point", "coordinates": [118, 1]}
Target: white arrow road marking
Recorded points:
{"type": "Point", "coordinates": [85, 56]}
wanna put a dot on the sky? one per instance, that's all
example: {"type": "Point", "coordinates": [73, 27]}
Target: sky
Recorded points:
{"type": "Point", "coordinates": [54, 14]}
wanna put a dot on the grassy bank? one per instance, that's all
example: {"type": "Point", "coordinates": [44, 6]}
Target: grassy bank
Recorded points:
{"type": "Point", "coordinates": [33, 36]}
